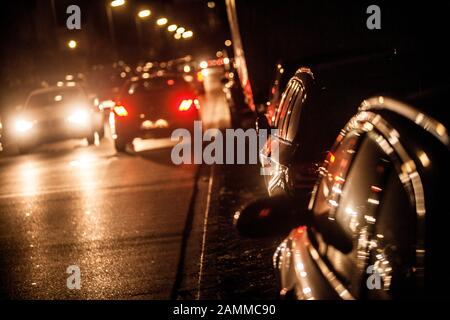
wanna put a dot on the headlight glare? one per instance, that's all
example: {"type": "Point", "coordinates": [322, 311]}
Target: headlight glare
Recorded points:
{"type": "Point", "coordinates": [23, 125]}
{"type": "Point", "coordinates": [78, 117]}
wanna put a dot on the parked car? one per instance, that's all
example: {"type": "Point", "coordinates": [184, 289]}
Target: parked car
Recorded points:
{"type": "Point", "coordinates": [376, 221]}
{"type": "Point", "coordinates": [284, 71]}
{"type": "Point", "coordinates": [53, 114]}
{"type": "Point", "coordinates": [153, 107]}
{"type": "Point", "coordinates": [317, 101]}
{"type": "Point", "coordinates": [241, 115]}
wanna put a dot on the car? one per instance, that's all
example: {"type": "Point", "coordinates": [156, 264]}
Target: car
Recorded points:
{"type": "Point", "coordinates": [376, 222]}
{"type": "Point", "coordinates": [54, 114]}
{"type": "Point", "coordinates": [317, 101]}
{"type": "Point", "coordinates": [153, 108]}
{"type": "Point", "coordinates": [282, 74]}
{"type": "Point", "coordinates": [241, 115]}
{"type": "Point", "coordinates": [282, 174]}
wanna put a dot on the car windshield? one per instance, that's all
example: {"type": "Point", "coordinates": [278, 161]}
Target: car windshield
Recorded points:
{"type": "Point", "coordinates": [54, 97]}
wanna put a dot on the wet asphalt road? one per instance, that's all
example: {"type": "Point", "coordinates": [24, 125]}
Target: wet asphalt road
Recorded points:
{"type": "Point", "coordinates": [119, 217]}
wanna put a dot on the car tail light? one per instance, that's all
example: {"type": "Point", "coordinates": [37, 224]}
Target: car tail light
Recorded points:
{"type": "Point", "coordinates": [187, 104]}
{"type": "Point", "coordinates": [121, 111]}
{"type": "Point", "coordinates": [330, 157]}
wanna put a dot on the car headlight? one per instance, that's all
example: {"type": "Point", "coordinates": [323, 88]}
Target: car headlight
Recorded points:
{"type": "Point", "coordinates": [23, 125]}
{"type": "Point", "coordinates": [79, 117]}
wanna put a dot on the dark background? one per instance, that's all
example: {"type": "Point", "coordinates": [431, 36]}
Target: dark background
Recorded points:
{"type": "Point", "coordinates": [320, 30]}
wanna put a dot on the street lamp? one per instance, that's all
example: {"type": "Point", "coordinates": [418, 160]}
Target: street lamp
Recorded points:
{"type": "Point", "coordinates": [180, 30]}
{"type": "Point", "coordinates": [172, 28]}
{"type": "Point", "coordinates": [144, 14]}
{"type": "Point", "coordinates": [141, 15]}
{"type": "Point", "coordinates": [109, 13]}
{"type": "Point", "coordinates": [117, 3]}
{"type": "Point", "coordinates": [187, 34]}
{"type": "Point", "coordinates": [72, 44]}
{"type": "Point", "coordinates": [161, 21]}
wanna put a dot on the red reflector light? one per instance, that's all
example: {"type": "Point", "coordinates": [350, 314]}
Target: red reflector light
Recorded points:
{"type": "Point", "coordinates": [120, 111]}
{"type": "Point", "coordinates": [264, 213]}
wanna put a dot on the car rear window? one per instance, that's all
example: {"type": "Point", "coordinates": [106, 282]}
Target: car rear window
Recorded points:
{"type": "Point", "coordinates": [156, 84]}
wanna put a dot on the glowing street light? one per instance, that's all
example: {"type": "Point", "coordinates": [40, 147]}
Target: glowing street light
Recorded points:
{"type": "Point", "coordinates": [187, 34]}
{"type": "Point", "coordinates": [161, 21]}
{"type": "Point", "coordinates": [144, 14]}
{"type": "Point", "coordinates": [172, 28]}
{"type": "Point", "coordinates": [180, 30]}
{"type": "Point", "coordinates": [117, 3]}
{"type": "Point", "coordinates": [177, 36]}
{"type": "Point", "coordinates": [109, 12]}
{"type": "Point", "coordinates": [140, 17]}
{"type": "Point", "coordinates": [228, 43]}
{"type": "Point", "coordinates": [72, 44]}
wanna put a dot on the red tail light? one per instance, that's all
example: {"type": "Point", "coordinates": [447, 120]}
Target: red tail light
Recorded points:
{"type": "Point", "coordinates": [121, 111]}
{"type": "Point", "coordinates": [330, 157]}
{"type": "Point", "coordinates": [187, 104]}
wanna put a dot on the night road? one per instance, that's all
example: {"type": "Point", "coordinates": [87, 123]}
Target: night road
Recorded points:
{"type": "Point", "coordinates": [214, 158]}
{"type": "Point", "coordinates": [120, 218]}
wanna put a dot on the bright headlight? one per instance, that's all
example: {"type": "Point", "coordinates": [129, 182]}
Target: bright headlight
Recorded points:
{"type": "Point", "coordinates": [78, 117]}
{"type": "Point", "coordinates": [23, 125]}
